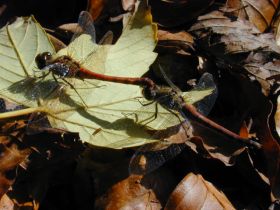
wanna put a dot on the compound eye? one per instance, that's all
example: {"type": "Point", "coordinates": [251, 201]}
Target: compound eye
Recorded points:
{"type": "Point", "coordinates": [42, 59]}
{"type": "Point", "coordinates": [149, 93]}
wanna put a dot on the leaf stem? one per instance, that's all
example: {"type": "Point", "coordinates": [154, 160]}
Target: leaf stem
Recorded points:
{"type": "Point", "coordinates": [20, 112]}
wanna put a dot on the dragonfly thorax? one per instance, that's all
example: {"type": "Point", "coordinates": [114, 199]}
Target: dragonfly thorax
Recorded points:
{"type": "Point", "coordinates": [165, 96]}
{"type": "Point", "coordinates": [64, 66]}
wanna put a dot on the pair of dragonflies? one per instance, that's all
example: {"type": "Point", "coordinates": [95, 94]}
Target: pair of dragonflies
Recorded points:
{"type": "Point", "coordinates": [64, 68]}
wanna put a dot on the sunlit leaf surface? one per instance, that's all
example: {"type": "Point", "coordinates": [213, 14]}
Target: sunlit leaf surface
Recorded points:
{"type": "Point", "coordinates": [20, 42]}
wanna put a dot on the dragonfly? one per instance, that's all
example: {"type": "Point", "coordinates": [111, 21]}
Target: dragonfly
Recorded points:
{"type": "Point", "coordinates": [169, 98]}
{"type": "Point", "coordinates": [150, 157]}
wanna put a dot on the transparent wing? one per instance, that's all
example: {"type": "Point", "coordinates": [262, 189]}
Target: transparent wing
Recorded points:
{"type": "Point", "coordinates": [29, 91]}
{"type": "Point", "coordinates": [207, 89]}
{"type": "Point", "coordinates": [205, 83]}
{"type": "Point", "coordinates": [107, 38]}
{"type": "Point", "coordinates": [90, 56]}
{"type": "Point", "coordinates": [85, 26]}
{"type": "Point", "coordinates": [169, 82]}
{"type": "Point", "coordinates": [152, 156]}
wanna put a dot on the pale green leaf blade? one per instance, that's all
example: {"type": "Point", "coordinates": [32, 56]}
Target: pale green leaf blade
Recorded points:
{"type": "Point", "coordinates": [20, 42]}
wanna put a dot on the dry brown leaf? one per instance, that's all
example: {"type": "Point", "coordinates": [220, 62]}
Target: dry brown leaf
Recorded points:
{"type": "Point", "coordinates": [11, 156]}
{"type": "Point", "coordinates": [129, 194]}
{"type": "Point", "coordinates": [238, 35]}
{"type": "Point", "coordinates": [262, 66]}
{"type": "Point", "coordinates": [174, 42]}
{"type": "Point", "coordinates": [258, 12]}
{"type": "Point", "coordinates": [231, 40]}
{"type": "Point", "coordinates": [194, 192]}
{"type": "Point", "coordinates": [95, 8]}
{"type": "Point", "coordinates": [271, 150]}
{"type": "Point", "coordinates": [6, 203]}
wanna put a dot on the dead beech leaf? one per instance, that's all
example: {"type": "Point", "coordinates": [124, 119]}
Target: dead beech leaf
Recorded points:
{"type": "Point", "coordinates": [264, 67]}
{"type": "Point", "coordinates": [231, 40]}
{"type": "Point", "coordinates": [95, 8]}
{"type": "Point", "coordinates": [174, 42]}
{"type": "Point", "coordinates": [237, 35]}
{"type": "Point", "coordinates": [10, 157]}
{"type": "Point", "coordinates": [271, 150]}
{"type": "Point", "coordinates": [244, 132]}
{"type": "Point", "coordinates": [6, 203]}
{"type": "Point", "coordinates": [194, 192]}
{"type": "Point", "coordinates": [258, 12]}
{"type": "Point", "coordinates": [179, 36]}
{"type": "Point", "coordinates": [129, 194]}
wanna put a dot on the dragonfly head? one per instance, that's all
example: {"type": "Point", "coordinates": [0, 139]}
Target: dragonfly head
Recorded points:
{"type": "Point", "coordinates": [43, 59]}
{"type": "Point", "coordinates": [150, 93]}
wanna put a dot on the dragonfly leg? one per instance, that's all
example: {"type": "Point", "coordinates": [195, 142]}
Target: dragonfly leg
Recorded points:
{"type": "Point", "coordinates": [174, 113]}
{"type": "Point", "coordinates": [144, 104]}
{"type": "Point", "coordinates": [74, 90]}
{"type": "Point", "coordinates": [151, 118]}
{"type": "Point", "coordinates": [43, 76]}
{"type": "Point", "coordinates": [180, 120]}
{"type": "Point", "coordinates": [130, 114]}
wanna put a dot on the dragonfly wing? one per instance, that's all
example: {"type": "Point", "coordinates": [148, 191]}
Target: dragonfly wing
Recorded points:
{"type": "Point", "coordinates": [169, 82]}
{"type": "Point", "coordinates": [150, 157]}
{"type": "Point", "coordinates": [77, 48]}
{"type": "Point", "coordinates": [96, 60]}
{"type": "Point", "coordinates": [206, 82]}
{"type": "Point", "coordinates": [85, 26]}
{"type": "Point", "coordinates": [28, 91]}
{"type": "Point", "coordinates": [107, 38]}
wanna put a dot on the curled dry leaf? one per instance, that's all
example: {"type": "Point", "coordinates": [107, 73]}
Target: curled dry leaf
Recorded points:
{"type": "Point", "coordinates": [258, 12]}
{"type": "Point", "coordinates": [232, 39]}
{"type": "Point", "coordinates": [271, 150]}
{"type": "Point", "coordinates": [238, 35]}
{"type": "Point", "coordinates": [174, 42]}
{"type": "Point", "coordinates": [129, 194]}
{"type": "Point", "coordinates": [265, 68]}
{"type": "Point", "coordinates": [194, 192]}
